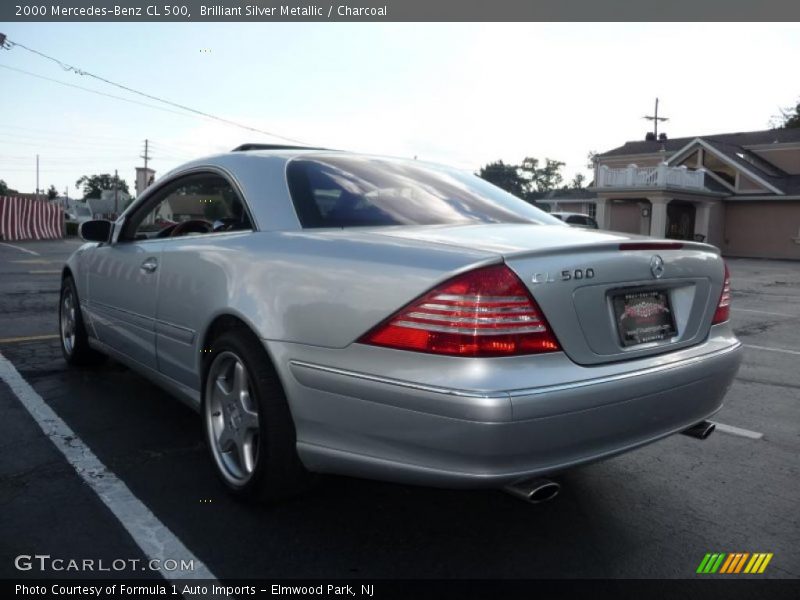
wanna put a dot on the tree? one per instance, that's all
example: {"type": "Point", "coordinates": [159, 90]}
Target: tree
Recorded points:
{"type": "Point", "coordinates": [788, 119]}
{"type": "Point", "coordinates": [52, 193]}
{"type": "Point", "coordinates": [93, 185]}
{"type": "Point", "coordinates": [504, 176]}
{"type": "Point", "coordinates": [578, 181]}
{"type": "Point", "coordinates": [591, 159]}
{"type": "Point", "coordinates": [541, 179]}
{"type": "Point", "coordinates": [526, 178]}
{"type": "Point", "coordinates": [5, 190]}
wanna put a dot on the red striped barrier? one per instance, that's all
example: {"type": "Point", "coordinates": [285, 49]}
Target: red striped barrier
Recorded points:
{"type": "Point", "coordinates": [29, 219]}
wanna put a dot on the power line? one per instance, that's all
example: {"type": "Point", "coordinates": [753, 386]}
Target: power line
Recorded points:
{"type": "Point", "coordinates": [116, 145]}
{"type": "Point", "coordinates": [60, 145]}
{"type": "Point", "coordinates": [63, 133]}
{"type": "Point", "coordinates": [67, 67]}
{"type": "Point", "coordinates": [43, 140]}
{"type": "Point", "coordinates": [85, 89]}
{"type": "Point", "coordinates": [76, 159]}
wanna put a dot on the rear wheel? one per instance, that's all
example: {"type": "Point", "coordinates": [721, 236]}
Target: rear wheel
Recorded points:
{"type": "Point", "coordinates": [248, 426]}
{"type": "Point", "coordinates": [72, 330]}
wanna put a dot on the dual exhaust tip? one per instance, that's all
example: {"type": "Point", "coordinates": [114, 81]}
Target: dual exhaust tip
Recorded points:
{"type": "Point", "coordinates": [536, 491]}
{"type": "Point", "coordinates": [700, 430]}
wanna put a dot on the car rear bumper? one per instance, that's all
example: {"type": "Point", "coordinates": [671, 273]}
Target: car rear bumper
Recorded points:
{"type": "Point", "coordinates": [369, 425]}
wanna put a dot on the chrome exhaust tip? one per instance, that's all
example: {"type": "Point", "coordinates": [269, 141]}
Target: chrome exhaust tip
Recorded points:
{"type": "Point", "coordinates": [700, 430]}
{"type": "Point", "coordinates": [534, 491]}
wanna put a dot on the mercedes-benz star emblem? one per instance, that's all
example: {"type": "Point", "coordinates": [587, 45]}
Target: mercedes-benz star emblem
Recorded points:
{"type": "Point", "coordinates": [657, 266]}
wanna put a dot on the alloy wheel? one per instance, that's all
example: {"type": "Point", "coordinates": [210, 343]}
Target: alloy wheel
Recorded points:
{"type": "Point", "coordinates": [232, 418]}
{"type": "Point", "coordinates": [67, 319]}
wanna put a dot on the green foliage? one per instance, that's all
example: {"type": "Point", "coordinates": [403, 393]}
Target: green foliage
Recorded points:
{"type": "Point", "coordinates": [544, 178]}
{"type": "Point", "coordinates": [93, 185]}
{"type": "Point", "coordinates": [526, 178]}
{"type": "Point", "coordinates": [71, 228]}
{"type": "Point", "coordinates": [591, 158]}
{"type": "Point", "coordinates": [578, 181]}
{"type": "Point", "coordinates": [5, 190]}
{"type": "Point", "coordinates": [791, 117]}
{"type": "Point", "coordinates": [504, 176]}
{"type": "Point", "coordinates": [52, 193]}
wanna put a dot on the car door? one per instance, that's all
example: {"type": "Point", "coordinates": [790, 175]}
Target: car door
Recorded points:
{"type": "Point", "coordinates": [123, 291]}
{"type": "Point", "coordinates": [193, 280]}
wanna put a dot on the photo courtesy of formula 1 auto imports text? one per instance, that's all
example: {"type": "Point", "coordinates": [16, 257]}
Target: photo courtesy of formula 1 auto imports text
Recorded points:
{"type": "Point", "coordinates": [400, 299]}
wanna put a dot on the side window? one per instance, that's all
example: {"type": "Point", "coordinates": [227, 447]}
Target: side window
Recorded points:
{"type": "Point", "coordinates": [193, 206]}
{"type": "Point", "coordinates": [576, 220]}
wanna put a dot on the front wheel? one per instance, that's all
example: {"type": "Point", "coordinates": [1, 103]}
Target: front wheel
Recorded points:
{"type": "Point", "coordinates": [248, 426]}
{"type": "Point", "coordinates": [72, 330]}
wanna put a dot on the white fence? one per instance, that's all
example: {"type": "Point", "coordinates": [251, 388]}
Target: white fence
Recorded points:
{"type": "Point", "coordinates": [650, 177]}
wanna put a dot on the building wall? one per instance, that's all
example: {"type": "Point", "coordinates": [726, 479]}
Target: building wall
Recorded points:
{"type": "Point", "coordinates": [747, 185]}
{"type": "Point", "coordinates": [625, 217]}
{"type": "Point", "coordinates": [578, 207]}
{"type": "Point", "coordinates": [762, 229]}
{"type": "Point", "coordinates": [716, 225]}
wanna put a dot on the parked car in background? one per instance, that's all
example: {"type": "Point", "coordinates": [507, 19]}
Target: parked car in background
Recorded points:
{"type": "Point", "coordinates": [329, 312]}
{"type": "Point", "coordinates": [576, 219]}
{"type": "Point", "coordinates": [77, 214]}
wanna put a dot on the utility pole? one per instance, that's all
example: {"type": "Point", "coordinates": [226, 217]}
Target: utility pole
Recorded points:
{"type": "Point", "coordinates": [655, 119]}
{"type": "Point", "coordinates": [146, 155]}
{"type": "Point", "coordinates": [37, 176]}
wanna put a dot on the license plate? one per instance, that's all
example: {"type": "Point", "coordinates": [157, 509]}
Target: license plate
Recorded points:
{"type": "Point", "coordinates": [643, 317]}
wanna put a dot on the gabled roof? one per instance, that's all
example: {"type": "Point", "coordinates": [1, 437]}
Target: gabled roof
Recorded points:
{"type": "Point", "coordinates": [746, 162]}
{"type": "Point", "coordinates": [732, 148]}
{"type": "Point", "coordinates": [741, 139]}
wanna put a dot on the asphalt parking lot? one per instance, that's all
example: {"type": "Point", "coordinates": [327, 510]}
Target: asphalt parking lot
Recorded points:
{"type": "Point", "coordinates": [653, 513]}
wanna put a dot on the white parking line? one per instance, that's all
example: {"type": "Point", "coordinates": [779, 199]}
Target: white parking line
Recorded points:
{"type": "Point", "coordinates": [765, 312]}
{"type": "Point", "coordinates": [20, 249]}
{"type": "Point", "coordinates": [784, 350]}
{"type": "Point", "coordinates": [753, 435]}
{"type": "Point", "coordinates": [155, 540]}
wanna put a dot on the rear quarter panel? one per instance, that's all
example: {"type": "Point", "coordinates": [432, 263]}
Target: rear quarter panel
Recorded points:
{"type": "Point", "coordinates": [321, 289]}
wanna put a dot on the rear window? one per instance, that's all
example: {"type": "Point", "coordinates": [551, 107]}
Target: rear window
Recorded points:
{"type": "Point", "coordinates": [367, 192]}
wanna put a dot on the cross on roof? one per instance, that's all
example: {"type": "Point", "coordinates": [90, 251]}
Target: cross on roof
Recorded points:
{"type": "Point", "coordinates": [655, 119]}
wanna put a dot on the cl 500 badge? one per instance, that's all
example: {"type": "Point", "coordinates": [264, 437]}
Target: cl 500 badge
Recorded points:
{"type": "Point", "coordinates": [566, 275]}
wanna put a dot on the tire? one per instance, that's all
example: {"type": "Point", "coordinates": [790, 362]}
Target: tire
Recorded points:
{"type": "Point", "coordinates": [72, 330]}
{"type": "Point", "coordinates": [247, 423]}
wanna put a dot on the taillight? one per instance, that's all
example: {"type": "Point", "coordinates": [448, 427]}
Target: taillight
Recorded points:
{"type": "Point", "coordinates": [485, 312]}
{"type": "Point", "coordinates": [723, 311]}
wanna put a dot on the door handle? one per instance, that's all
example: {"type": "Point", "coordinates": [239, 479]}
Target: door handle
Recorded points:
{"type": "Point", "coordinates": [149, 265]}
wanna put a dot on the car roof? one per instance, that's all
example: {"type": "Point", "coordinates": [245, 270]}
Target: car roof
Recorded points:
{"type": "Point", "coordinates": [254, 146]}
{"type": "Point", "coordinates": [259, 172]}
{"type": "Point", "coordinates": [570, 214]}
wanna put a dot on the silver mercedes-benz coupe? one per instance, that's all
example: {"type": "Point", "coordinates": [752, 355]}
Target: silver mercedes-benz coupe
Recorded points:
{"type": "Point", "coordinates": [329, 312]}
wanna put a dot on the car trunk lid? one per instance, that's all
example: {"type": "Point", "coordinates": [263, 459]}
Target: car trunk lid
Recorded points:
{"type": "Point", "coordinates": [608, 296]}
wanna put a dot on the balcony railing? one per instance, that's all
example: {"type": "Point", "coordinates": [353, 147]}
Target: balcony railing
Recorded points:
{"type": "Point", "coordinates": [660, 176]}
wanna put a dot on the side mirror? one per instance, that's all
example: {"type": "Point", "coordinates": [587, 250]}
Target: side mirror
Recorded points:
{"type": "Point", "coordinates": [98, 230]}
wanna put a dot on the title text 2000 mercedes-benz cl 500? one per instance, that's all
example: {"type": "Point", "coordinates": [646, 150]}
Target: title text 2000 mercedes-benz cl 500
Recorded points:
{"type": "Point", "coordinates": [328, 312]}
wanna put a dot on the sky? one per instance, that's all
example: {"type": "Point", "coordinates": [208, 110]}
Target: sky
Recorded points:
{"type": "Point", "coordinates": [459, 94]}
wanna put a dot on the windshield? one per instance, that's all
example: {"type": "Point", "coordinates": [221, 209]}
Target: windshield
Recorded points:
{"type": "Point", "coordinates": [350, 191]}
